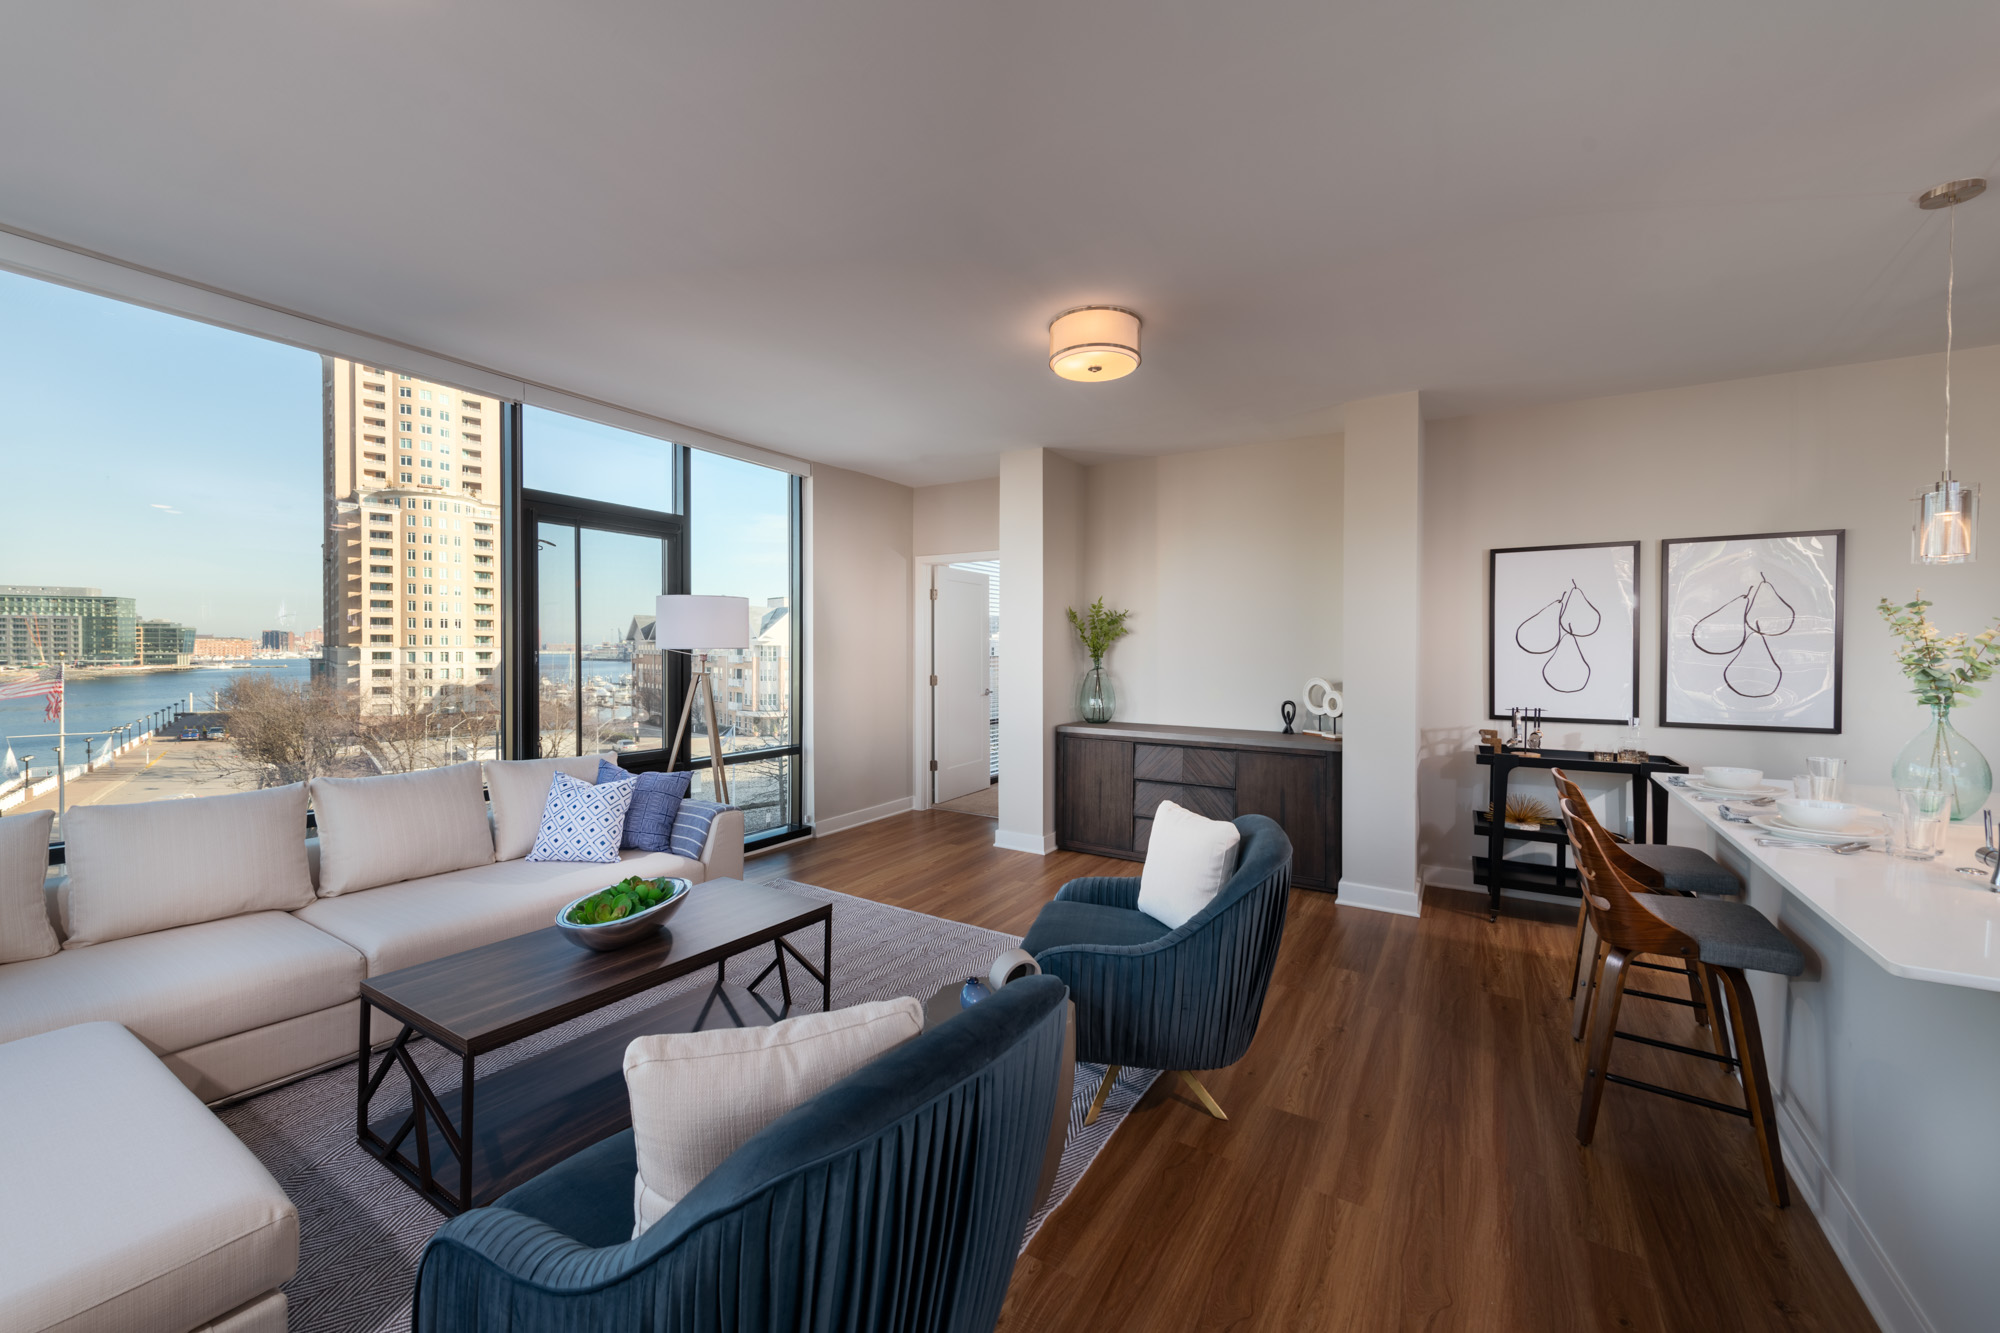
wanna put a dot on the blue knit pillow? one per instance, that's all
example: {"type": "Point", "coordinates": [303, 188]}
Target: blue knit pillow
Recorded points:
{"type": "Point", "coordinates": [649, 824]}
{"type": "Point", "coordinates": [691, 827]}
{"type": "Point", "coordinates": [582, 822]}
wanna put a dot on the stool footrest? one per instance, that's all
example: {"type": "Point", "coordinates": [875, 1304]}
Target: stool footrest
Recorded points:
{"type": "Point", "coordinates": [1729, 1060]}
{"type": "Point", "coordinates": [1663, 999]}
{"type": "Point", "coordinates": [1676, 1094]}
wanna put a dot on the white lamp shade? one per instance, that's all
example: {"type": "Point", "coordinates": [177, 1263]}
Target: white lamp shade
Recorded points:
{"type": "Point", "coordinates": [701, 624]}
{"type": "Point", "coordinates": [1096, 342]}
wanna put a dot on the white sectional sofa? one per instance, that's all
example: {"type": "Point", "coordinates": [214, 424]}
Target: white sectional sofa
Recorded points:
{"type": "Point", "coordinates": [234, 947]}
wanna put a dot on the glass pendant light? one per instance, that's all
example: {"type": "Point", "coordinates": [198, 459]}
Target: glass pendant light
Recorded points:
{"type": "Point", "coordinates": [1947, 526]}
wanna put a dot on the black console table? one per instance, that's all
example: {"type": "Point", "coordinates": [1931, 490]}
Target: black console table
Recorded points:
{"type": "Point", "coordinates": [1496, 873]}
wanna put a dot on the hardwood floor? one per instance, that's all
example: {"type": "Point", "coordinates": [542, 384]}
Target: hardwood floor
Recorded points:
{"type": "Point", "coordinates": [1400, 1152]}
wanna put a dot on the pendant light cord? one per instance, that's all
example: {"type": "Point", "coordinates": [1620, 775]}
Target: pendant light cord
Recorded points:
{"type": "Point", "coordinates": [1950, 281]}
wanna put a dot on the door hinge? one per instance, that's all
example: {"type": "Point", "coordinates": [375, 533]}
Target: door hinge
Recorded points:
{"type": "Point", "coordinates": [933, 594]}
{"type": "Point", "coordinates": [933, 682]}
{"type": "Point", "coordinates": [933, 765]}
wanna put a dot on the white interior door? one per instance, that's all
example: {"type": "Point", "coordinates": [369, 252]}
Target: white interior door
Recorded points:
{"type": "Point", "coordinates": [961, 719]}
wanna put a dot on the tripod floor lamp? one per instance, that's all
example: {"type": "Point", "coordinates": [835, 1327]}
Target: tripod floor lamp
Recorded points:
{"type": "Point", "coordinates": [699, 626]}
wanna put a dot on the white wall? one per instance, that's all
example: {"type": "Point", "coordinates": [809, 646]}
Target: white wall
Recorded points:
{"type": "Point", "coordinates": [1844, 447]}
{"type": "Point", "coordinates": [957, 518]}
{"type": "Point", "coordinates": [1229, 560]}
{"type": "Point", "coordinates": [1041, 551]}
{"type": "Point", "coordinates": [858, 651]}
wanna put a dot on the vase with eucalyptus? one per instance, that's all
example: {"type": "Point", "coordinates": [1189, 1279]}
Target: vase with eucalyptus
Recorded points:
{"type": "Point", "coordinates": [1098, 628]}
{"type": "Point", "coordinates": [1944, 670]}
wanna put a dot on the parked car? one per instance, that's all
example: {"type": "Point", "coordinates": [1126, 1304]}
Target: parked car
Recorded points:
{"type": "Point", "coordinates": [216, 733]}
{"type": "Point", "coordinates": [190, 733]}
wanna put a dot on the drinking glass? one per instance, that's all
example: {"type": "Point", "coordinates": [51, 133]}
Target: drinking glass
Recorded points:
{"type": "Point", "coordinates": [1825, 775]}
{"type": "Point", "coordinates": [1920, 833]}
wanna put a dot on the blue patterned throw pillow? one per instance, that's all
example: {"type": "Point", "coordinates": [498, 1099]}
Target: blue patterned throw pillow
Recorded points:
{"type": "Point", "coordinates": [582, 822]}
{"type": "Point", "coordinates": [649, 824]}
{"type": "Point", "coordinates": [691, 827]}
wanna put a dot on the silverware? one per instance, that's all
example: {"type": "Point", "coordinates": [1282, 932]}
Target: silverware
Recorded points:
{"type": "Point", "coordinates": [1723, 810]}
{"type": "Point", "coordinates": [1838, 849]}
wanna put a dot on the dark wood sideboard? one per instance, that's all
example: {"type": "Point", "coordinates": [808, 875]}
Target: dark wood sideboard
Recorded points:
{"type": "Point", "coordinates": [1111, 777]}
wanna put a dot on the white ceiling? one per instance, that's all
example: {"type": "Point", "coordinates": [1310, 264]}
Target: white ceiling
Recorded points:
{"type": "Point", "coordinates": [839, 230]}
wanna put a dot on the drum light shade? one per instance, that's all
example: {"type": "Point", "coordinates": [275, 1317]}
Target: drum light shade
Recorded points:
{"type": "Point", "coordinates": [1094, 342]}
{"type": "Point", "coordinates": [702, 624]}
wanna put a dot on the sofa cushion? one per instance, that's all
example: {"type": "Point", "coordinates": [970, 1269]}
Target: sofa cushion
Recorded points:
{"type": "Point", "coordinates": [154, 865]}
{"type": "Point", "coordinates": [186, 986]}
{"type": "Point", "coordinates": [129, 1205]}
{"type": "Point", "coordinates": [519, 789]}
{"type": "Point", "coordinates": [383, 830]}
{"type": "Point", "coordinates": [25, 931]}
{"type": "Point", "coordinates": [402, 925]}
{"type": "Point", "coordinates": [649, 824]}
{"type": "Point", "coordinates": [1061, 923]}
{"type": "Point", "coordinates": [699, 1096]}
{"type": "Point", "coordinates": [691, 826]}
{"type": "Point", "coordinates": [582, 821]}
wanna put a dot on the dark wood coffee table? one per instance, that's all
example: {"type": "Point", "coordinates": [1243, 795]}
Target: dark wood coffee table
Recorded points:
{"type": "Point", "coordinates": [549, 1106]}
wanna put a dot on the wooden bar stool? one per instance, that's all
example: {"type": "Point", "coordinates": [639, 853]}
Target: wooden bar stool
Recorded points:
{"type": "Point", "coordinates": [1656, 867]}
{"type": "Point", "coordinates": [1725, 938]}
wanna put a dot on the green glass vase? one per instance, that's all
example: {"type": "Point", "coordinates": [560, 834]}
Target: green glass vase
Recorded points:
{"type": "Point", "coordinates": [1939, 759]}
{"type": "Point", "coordinates": [1095, 699]}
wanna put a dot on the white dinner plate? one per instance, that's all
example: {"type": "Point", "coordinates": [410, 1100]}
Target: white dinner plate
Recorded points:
{"type": "Point", "coordinates": [1864, 830]}
{"type": "Point", "coordinates": [1765, 789]}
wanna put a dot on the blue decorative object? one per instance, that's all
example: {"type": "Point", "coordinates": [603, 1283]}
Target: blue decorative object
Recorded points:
{"type": "Point", "coordinates": [582, 821]}
{"type": "Point", "coordinates": [904, 1187]}
{"type": "Point", "coordinates": [691, 824]}
{"type": "Point", "coordinates": [656, 800]}
{"type": "Point", "coordinates": [1155, 998]}
{"type": "Point", "coordinates": [974, 991]}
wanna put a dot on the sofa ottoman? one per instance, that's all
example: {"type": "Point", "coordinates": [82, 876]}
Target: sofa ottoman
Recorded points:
{"type": "Point", "coordinates": [129, 1205]}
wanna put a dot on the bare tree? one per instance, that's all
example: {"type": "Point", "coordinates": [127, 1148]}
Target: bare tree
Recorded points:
{"type": "Point", "coordinates": [399, 740]}
{"type": "Point", "coordinates": [283, 731]}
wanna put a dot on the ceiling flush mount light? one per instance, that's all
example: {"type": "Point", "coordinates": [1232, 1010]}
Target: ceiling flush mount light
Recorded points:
{"type": "Point", "coordinates": [1094, 342]}
{"type": "Point", "coordinates": [1947, 527]}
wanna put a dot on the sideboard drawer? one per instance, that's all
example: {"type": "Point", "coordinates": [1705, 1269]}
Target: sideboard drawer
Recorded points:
{"type": "Point", "coordinates": [1212, 802]}
{"type": "Point", "coordinates": [1190, 764]}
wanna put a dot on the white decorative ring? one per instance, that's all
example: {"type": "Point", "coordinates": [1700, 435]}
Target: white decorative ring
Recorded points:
{"type": "Point", "coordinates": [1330, 703]}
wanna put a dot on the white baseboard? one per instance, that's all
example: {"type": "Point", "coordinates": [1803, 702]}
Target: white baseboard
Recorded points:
{"type": "Point", "coordinates": [856, 818]}
{"type": "Point", "coordinates": [1882, 1288]}
{"type": "Point", "coordinates": [1038, 844]}
{"type": "Point", "coordinates": [1460, 877]}
{"type": "Point", "coordinates": [1374, 897]}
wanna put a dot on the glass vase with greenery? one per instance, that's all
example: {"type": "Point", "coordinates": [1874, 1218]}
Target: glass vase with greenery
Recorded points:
{"type": "Point", "coordinates": [1944, 669]}
{"type": "Point", "coordinates": [1098, 628]}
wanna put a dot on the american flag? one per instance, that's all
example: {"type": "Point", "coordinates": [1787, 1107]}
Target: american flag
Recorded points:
{"type": "Point", "coordinates": [47, 683]}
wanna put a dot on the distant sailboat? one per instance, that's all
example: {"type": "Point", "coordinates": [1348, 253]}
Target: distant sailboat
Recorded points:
{"type": "Point", "coordinates": [10, 767]}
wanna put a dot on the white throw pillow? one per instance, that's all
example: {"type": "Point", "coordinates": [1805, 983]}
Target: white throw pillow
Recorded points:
{"type": "Point", "coordinates": [25, 931]}
{"type": "Point", "coordinates": [1188, 860]}
{"type": "Point", "coordinates": [519, 791]}
{"type": "Point", "coordinates": [398, 826]}
{"type": "Point", "coordinates": [699, 1096]}
{"type": "Point", "coordinates": [582, 821]}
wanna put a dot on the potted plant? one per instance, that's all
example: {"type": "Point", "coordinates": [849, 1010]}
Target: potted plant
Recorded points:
{"type": "Point", "coordinates": [1939, 759]}
{"type": "Point", "coordinates": [1098, 629]}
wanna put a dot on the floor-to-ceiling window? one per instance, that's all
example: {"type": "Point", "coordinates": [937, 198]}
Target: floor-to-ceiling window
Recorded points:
{"type": "Point", "coordinates": [243, 564]}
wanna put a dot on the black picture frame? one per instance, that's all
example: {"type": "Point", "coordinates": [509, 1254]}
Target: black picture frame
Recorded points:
{"type": "Point", "coordinates": [1492, 629]}
{"type": "Point", "coordinates": [1838, 593]}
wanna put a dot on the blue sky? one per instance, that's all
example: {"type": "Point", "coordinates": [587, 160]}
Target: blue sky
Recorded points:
{"type": "Point", "coordinates": [167, 460]}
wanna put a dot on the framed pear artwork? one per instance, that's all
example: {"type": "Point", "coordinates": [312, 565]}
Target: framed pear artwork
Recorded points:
{"type": "Point", "coordinates": [1563, 631]}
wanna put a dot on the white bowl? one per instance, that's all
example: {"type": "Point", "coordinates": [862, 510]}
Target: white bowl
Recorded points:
{"type": "Point", "coordinates": [1740, 779]}
{"type": "Point", "coordinates": [1829, 815]}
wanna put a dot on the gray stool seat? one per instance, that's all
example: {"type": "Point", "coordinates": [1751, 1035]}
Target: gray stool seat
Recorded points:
{"type": "Point", "coordinates": [1730, 934]}
{"type": "Point", "coordinates": [1685, 869]}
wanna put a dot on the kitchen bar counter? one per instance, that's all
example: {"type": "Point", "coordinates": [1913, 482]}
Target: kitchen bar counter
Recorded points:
{"type": "Point", "coordinates": [1885, 1054]}
{"type": "Point", "coordinates": [1917, 919]}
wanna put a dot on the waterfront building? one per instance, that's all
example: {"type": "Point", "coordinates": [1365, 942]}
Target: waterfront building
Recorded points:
{"type": "Point", "coordinates": [215, 646]}
{"type": "Point", "coordinates": [411, 570]}
{"type": "Point", "coordinates": [105, 627]}
{"type": "Point", "coordinates": [38, 640]}
{"type": "Point", "coordinates": [165, 643]}
{"type": "Point", "coordinates": [276, 640]}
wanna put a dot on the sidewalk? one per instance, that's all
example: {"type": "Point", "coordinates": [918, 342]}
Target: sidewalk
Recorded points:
{"type": "Point", "coordinates": [176, 771]}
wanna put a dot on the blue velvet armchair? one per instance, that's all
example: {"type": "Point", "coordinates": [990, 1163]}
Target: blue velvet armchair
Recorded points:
{"type": "Point", "coordinates": [894, 1200]}
{"type": "Point", "coordinates": [1154, 998]}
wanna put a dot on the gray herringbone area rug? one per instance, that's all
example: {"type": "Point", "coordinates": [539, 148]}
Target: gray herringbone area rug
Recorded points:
{"type": "Point", "coordinates": [361, 1229]}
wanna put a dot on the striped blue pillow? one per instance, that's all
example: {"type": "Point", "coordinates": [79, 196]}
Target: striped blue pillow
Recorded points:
{"type": "Point", "coordinates": [691, 827]}
{"type": "Point", "coordinates": [649, 824]}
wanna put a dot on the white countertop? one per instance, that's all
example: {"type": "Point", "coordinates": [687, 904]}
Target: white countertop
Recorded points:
{"type": "Point", "coordinates": [1917, 919]}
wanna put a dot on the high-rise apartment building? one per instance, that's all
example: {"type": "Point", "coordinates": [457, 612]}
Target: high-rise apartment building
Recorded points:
{"type": "Point", "coordinates": [106, 627]}
{"type": "Point", "coordinates": [164, 643]}
{"type": "Point", "coordinates": [412, 554]}
{"type": "Point", "coordinates": [275, 640]}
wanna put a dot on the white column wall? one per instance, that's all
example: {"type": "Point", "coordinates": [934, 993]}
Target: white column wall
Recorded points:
{"type": "Point", "coordinates": [1381, 604]}
{"type": "Point", "coordinates": [1040, 552]}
